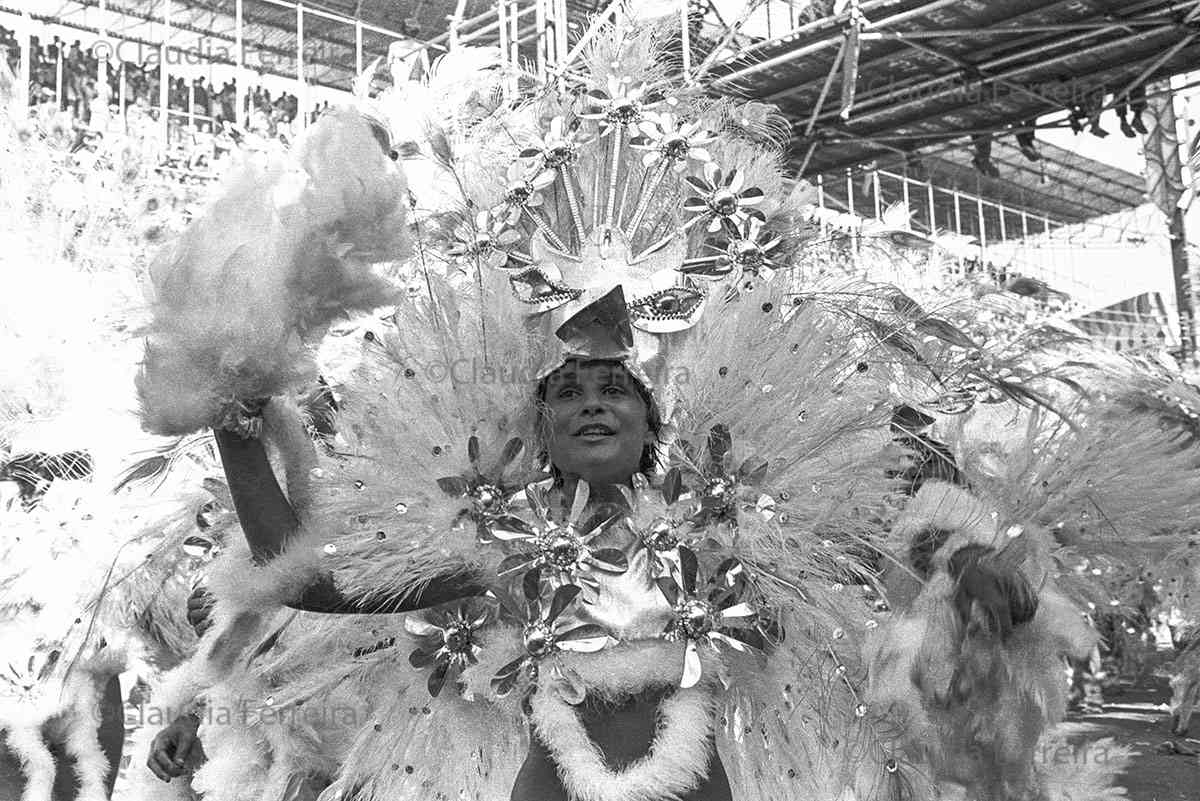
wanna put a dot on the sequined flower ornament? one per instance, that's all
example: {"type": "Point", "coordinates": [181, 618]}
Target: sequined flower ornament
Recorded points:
{"type": "Point", "coordinates": [623, 104]}
{"type": "Point", "coordinates": [664, 138]}
{"type": "Point", "coordinates": [543, 633]}
{"type": "Point", "coordinates": [484, 240]}
{"type": "Point", "coordinates": [750, 253]}
{"type": "Point", "coordinates": [448, 641]}
{"type": "Point", "coordinates": [659, 518]}
{"type": "Point", "coordinates": [560, 548]}
{"type": "Point", "coordinates": [721, 485]}
{"type": "Point", "coordinates": [724, 200]}
{"type": "Point", "coordinates": [558, 147]}
{"type": "Point", "coordinates": [523, 193]}
{"type": "Point", "coordinates": [705, 613]}
{"type": "Point", "coordinates": [490, 495]}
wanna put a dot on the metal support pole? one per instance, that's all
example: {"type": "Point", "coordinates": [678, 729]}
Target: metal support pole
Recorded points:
{"type": "Point", "coordinates": [907, 204]}
{"type": "Point", "coordinates": [1024, 225]}
{"type": "Point", "coordinates": [502, 21]}
{"type": "Point", "coordinates": [240, 88]}
{"type": "Point", "coordinates": [849, 191]}
{"type": "Point", "coordinates": [58, 77]}
{"type": "Point", "coordinates": [301, 86]}
{"type": "Point", "coordinates": [1003, 227]}
{"type": "Point", "coordinates": [561, 18]}
{"type": "Point", "coordinates": [598, 23]}
{"type": "Point", "coordinates": [102, 68]}
{"type": "Point", "coordinates": [514, 41]}
{"type": "Point", "coordinates": [875, 191]}
{"type": "Point", "coordinates": [164, 78]}
{"type": "Point", "coordinates": [854, 243]}
{"type": "Point", "coordinates": [358, 47]}
{"type": "Point", "coordinates": [685, 38]}
{"type": "Point", "coordinates": [26, 56]}
{"type": "Point", "coordinates": [957, 215]}
{"type": "Point", "coordinates": [821, 204]}
{"type": "Point", "coordinates": [932, 208]}
{"type": "Point", "coordinates": [456, 20]}
{"type": "Point", "coordinates": [982, 223]}
{"type": "Point", "coordinates": [539, 21]}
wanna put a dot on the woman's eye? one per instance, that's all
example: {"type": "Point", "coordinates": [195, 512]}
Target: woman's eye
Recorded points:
{"type": "Point", "coordinates": [567, 392]}
{"type": "Point", "coordinates": [614, 389]}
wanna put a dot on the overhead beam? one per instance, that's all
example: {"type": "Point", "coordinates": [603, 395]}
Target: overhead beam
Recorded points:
{"type": "Point", "coordinates": [730, 80]}
{"type": "Point", "coordinates": [916, 152]}
{"type": "Point", "coordinates": [1040, 45]}
{"type": "Point", "coordinates": [959, 33]}
{"type": "Point", "coordinates": [1005, 75]}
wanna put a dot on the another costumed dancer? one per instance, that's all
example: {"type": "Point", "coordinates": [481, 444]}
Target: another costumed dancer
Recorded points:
{"type": "Point", "coordinates": [662, 615]}
{"type": "Point", "coordinates": [976, 688]}
{"type": "Point", "coordinates": [93, 580]}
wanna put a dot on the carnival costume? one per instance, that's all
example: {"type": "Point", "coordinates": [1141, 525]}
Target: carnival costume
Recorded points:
{"type": "Point", "coordinates": [1061, 500]}
{"type": "Point", "coordinates": [94, 579]}
{"type": "Point", "coordinates": [633, 223]}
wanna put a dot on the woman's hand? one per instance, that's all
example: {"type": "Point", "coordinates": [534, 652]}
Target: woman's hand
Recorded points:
{"type": "Point", "coordinates": [176, 748]}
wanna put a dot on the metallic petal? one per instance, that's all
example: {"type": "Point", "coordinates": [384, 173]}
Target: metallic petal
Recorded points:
{"type": "Point", "coordinates": [752, 196]}
{"type": "Point", "coordinates": [421, 659]}
{"type": "Point", "coordinates": [563, 597]}
{"type": "Point", "coordinates": [692, 667]}
{"type": "Point", "coordinates": [738, 610]}
{"type": "Point", "coordinates": [515, 563]}
{"type": "Point", "coordinates": [724, 639]}
{"type": "Point", "coordinates": [610, 560]}
{"type": "Point", "coordinates": [419, 627]}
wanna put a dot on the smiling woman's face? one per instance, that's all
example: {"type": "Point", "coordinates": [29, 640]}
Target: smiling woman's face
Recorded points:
{"type": "Point", "coordinates": [597, 424]}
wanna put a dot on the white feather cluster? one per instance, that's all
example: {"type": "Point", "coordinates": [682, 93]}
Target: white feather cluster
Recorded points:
{"type": "Point", "coordinates": [287, 247]}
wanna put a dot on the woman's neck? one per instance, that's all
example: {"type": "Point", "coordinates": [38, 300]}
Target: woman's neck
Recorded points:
{"type": "Point", "coordinates": [597, 493]}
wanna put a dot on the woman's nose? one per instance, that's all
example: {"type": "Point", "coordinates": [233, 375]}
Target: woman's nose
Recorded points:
{"type": "Point", "coordinates": [593, 402]}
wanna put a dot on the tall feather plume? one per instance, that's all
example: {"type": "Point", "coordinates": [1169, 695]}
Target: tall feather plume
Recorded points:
{"type": "Point", "coordinates": [250, 283]}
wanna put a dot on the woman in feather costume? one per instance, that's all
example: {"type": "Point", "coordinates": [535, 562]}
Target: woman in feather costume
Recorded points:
{"type": "Point", "coordinates": [631, 471]}
{"type": "Point", "coordinates": [663, 614]}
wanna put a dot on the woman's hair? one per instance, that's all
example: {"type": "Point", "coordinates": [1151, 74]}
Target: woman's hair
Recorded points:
{"type": "Point", "coordinates": [654, 421]}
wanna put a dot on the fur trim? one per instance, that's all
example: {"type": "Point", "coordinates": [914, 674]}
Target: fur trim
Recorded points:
{"type": "Point", "coordinates": [37, 763]}
{"type": "Point", "coordinates": [631, 667]}
{"type": "Point", "coordinates": [238, 584]}
{"type": "Point", "coordinates": [83, 743]}
{"type": "Point", "coordinates": [677, 762]}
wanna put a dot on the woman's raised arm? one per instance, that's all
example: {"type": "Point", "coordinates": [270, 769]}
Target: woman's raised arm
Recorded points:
{"type": "Point", "coordinates": [267, 518]}
{"type": "Point", "coordinates": [269, 522]}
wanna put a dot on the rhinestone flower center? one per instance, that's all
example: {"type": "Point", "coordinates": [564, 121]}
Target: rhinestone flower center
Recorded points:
{"type": "Point", "coordinates": [723, 202]}
{"type": "Point", "coordinates": [539, 639]}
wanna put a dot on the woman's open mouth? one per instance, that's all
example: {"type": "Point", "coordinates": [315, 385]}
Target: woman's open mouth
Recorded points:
{"type": "Point", "coordinates": [594, 431]}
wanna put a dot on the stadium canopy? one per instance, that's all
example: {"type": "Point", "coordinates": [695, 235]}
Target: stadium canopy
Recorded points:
{"type": "Point", "coordinates": [929, 74]}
